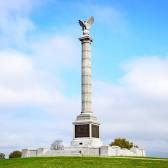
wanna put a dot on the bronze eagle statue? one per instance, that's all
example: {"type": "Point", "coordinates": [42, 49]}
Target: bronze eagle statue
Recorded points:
{"type": "Point", "coordinates": [86, 25]}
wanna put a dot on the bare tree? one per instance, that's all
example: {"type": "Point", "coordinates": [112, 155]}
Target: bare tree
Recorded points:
{"type": "Point", "coordinates": [2, 156]}
{"type": "Point", "coordinates": [57, 145]}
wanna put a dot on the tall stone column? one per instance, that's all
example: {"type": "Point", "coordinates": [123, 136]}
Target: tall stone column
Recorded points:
{"type": "Point", "coordinates": [86, 86]}
{"type": "Point", "coordinates": [86, 126]}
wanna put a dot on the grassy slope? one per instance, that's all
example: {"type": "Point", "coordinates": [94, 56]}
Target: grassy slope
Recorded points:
{"type": "Point", "coordinates": [83, 162]}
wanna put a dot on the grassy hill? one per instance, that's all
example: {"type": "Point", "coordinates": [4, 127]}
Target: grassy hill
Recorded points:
{"type": "Point", "coordinates": [84, 162]}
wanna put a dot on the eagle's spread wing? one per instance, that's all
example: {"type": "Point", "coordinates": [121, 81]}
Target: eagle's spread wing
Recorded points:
{"type": "Point", "coordinates": [82, 24]}
{"type": "Point", "coordinates": [90, 22]}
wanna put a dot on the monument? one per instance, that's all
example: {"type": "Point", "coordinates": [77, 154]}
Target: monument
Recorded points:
{"type": "Point", "coordinates": [86, 137]}
{"type": "Point", "coordinates": [86, 126]}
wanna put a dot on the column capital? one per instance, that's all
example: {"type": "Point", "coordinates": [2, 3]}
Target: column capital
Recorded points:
{"type": "Point", "coordinates": [86, 38]}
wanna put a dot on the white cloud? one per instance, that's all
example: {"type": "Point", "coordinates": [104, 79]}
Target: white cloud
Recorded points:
{"type": "Point", "coordinates": [148, 76]}
{"type": "Point", "coordinates": [15, 22]}
{"type": "Point", "coordinates": [137, 107]}
{"type": "Point", "coordinates": [22, 84]}
{"type": "Point", "coordinates": [109, 16]}
{"type": "Point", "coordinates": [56, 52]}
{"type": "Point", "coordinates": [14, 31]}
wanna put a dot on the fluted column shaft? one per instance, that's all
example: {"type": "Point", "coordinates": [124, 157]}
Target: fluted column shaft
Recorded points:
{"type": "Point", "coordinates": [86, 86]}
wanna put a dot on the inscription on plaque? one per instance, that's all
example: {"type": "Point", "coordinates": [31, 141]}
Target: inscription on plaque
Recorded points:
{"type": "Point", "coordinates": [82, 130]}
{"type": "Point", "coordinates": [95, 131]}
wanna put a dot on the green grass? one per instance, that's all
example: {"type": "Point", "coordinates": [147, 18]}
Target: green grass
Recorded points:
{"type": "Point", "coordinates": [84, 162]}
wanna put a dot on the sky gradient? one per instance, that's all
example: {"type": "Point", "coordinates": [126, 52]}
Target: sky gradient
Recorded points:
{"type": "Point", "coordinates": [40, 71]}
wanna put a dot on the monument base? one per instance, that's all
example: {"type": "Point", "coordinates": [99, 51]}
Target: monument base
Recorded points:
{"type": "Point", "coordinates": [84, 151]}
{"type": "Point", "coordinates": [86, 142]}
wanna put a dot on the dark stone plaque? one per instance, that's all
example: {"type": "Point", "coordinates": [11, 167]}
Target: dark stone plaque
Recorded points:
{"type": "Point", "coordinates": [95, 131]}
{"type": "Point", "coordinates": [82, 130]}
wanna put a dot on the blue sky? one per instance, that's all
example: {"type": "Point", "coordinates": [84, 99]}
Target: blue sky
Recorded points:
{"type": "Point", "coordinates": [40, 71]}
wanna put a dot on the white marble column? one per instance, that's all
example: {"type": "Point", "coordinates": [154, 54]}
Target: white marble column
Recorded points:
{"type": "Point", "coordinates": [86, 117]}
{"type": "Point", "coordinates": [86, 86]}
